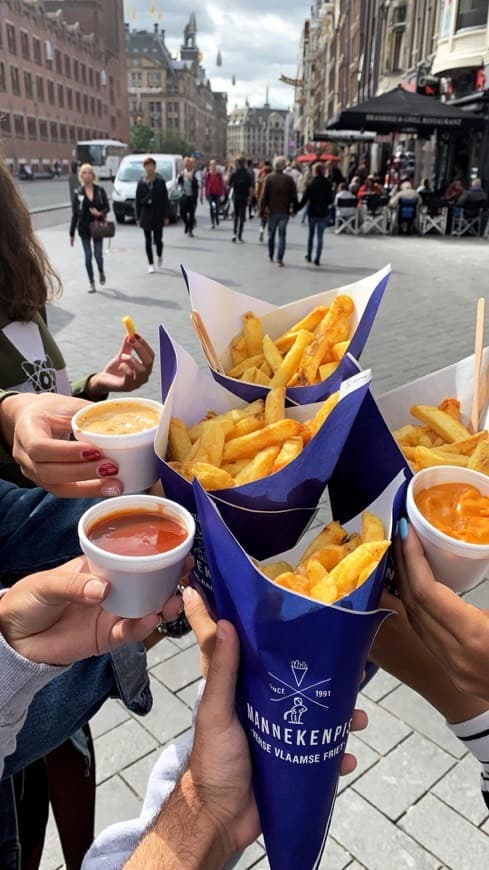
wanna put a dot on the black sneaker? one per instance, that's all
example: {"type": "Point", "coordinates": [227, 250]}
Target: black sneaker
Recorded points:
{"type": "Point", "coordinates": [233, 239]}
{"type": "Point", "coordinates": [316, 262]}
{"type": "Point", "coordinates": [307, 257]}
{"type": "Point", "coordinates": [102, 278]}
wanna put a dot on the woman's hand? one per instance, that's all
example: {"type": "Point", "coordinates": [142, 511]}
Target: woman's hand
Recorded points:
{"type": "Point", "coordinates": [96, 213]}
{"type": "Point", "coordinates": [455, 632]}
{"type": "Point", "coordinates": [205, 632]}
{"type": "Point", "coordinates": [37, 427]}
{"type": "Point", "coordinates": [127, 371]}
{"type": "Point", "coordinates": [56, 617]}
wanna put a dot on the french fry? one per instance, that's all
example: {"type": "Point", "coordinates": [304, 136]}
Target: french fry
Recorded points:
{"type": "Point", "coordinates": [272, 353]}
{"type": "Point", "coordinates": [293, 582]}
{"type": "Point", "coordinates": [237, 370]}
{"type": "Point", "coordinates": [275, 405]}
{"type": "Point", "coordinates": [312, 320]}
{"type": "Point", "coordinates": [291, 360]}
{"type": "Point", "coordinates": [325, 411]}
{"type": "Point", "coordinates": [329, 556]}
{"type": "Point", "coordinates": [441, 422]}
{"type": "Point", "coordinates": [479, 460]}
{"type": "Point", "coordinates": [467, 447]}
{"type": "Point", "coordinates": [239, 350]}
{"type": "Point", "coordinates": [426, 457]}
{"type": "Point", "coordinates": [246, 425]}
{"type": "Point", "coordinates": [261, 378]}
{"type": "Point", "coordinates": [325, 591]}
{"type": "Point", "coordinates": [250, 445]}
{"type": "Point", "coordinates": [129, 325]}
{"type": "Point", "coordinates": [341, 306]}
{"type": "Point", "coordinates": [252, 333]}
{"type": "Point", "coordinates": [266, 368]}
{"type": "Point", "coordinates": [452, 407]}
{"type": "Point", "coordinates": [327, 369]}
{"type": "Point", "coordinates": [233, 468]}
{"type": "Point", "coordinates": [210, 477]}
{"type": "Point", "coordinates": [372, 528]}
{"type": "Point", "coordinates": [339, 349]}
{"type": "Point", "coordinates": [249, 374]}
{"type": "Point", "coordinates": [311, 359]}
{"type": "Point", "coordinates": [315, 571]}
{"type": "Point", "coordinates": [354, 541]}
{"type": "Point", "coordinates": [179, 443]}
{"type": "Point", "coordinates": [289, 451]}
{"type": "Point", "coordinates": [333, 533]}
{"type": "Point", "coordinates": [274, 569]}
{"type": "Point", "coordinates": [346, 573]}
{"type": "Point", "coordinates": [211, 442]}
{"type": "Point", "coordinates": [260, 466]}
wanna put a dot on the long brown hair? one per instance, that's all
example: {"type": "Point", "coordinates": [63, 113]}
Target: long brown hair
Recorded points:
{"type": "Point", "coordinates": [27, 278]}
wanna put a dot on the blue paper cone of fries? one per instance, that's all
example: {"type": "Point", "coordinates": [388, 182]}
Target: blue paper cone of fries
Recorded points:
{"type": "Point", "coordinates": [263, 501]}
{"type": "Point", "coordinates": [301, 665]}
{"type": "Point", "coordinates": [310, 345]}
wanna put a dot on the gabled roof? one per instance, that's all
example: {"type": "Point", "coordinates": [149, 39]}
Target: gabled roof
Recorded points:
{"type": "Point", "coordinates": [143, 43]}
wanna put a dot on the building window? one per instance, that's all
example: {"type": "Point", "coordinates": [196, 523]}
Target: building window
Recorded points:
{"type": "Point", "coordinates": [40, 89]}
{"type": "Point", "coordinates": [78, 101]}
{"type": "Point", "coordinates": [99, 108]}
{"type": "Point", "coordinates": [154, 78]}
{"type": "Point", "coordinates": [90, 76]}
{"type": "Point", "coordinates": [61, 96]}
{"type": "Point", "coordinates": [24, 45]}
{"type": "Point", "coordinates": [97, 81]}
{"type": "Point", "coordinates": [397, 50]}
{"type": "Point", "coordinates": [5, 128]}
{"type": "Point", "coordinates": [92, 105]}
{"type": "Point", "coordinates": [54, 131]}
{"type": "Point", "coordinates": [15, 81]}
{"type": "Point", "coordinates": [36, 47]}
{"type": "Point", "coordinates": [69, 98]}
{"type": "Point", "coordinates": [32, 128]}
{"type": "Point", "coordinates": [11, 39]}
{"type": "Point", "coordinates": [72, 135]}
{"type": "Point", "coordinates": [85, 104]}
{"type": "Point", "coordinates": [76, 71]}
{"type": "Point", "coordinates": [51, 100]}
{"type": "Point", "coordinates": [57, 62]}
{"type": "Point", "coordinates": [19, 126]}
{"type": "Point", "coordinates": [67, 66]}
{"type": "Point", "coordinates": [471, 13]}
{"type": "Point", "coordinates": [28, 85]}
{"type": "Point", "coordinates": [3, 83]}
{"type": "Point", "coordinates": [80, 134]}
{"type": "Point", "coordinates": [136, 78]}
{"type": "Point", "coordinates": [84, 73]}
{"type": "Point", "coordinates": [43, 131]}
{"type": "Point", "coordinates": [62, 132]}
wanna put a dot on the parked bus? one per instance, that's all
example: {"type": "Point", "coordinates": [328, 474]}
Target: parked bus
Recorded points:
{"type": "Point", "coordinates": [105, 155]}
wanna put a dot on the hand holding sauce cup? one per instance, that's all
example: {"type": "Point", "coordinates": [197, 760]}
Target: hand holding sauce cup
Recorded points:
{"type": "Point", "coordinates": [139, 544]}
{"type": "Point", "coordinates": [448, 506]}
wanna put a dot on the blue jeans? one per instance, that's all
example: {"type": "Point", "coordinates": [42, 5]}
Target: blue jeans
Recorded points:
{"type": "Point", "coordinates": [214, 201]}
{"type": "Point", "coordinates": [316, 225]}
{"type": "Point", "coordinates": [98, 247]}
{"type": "Point", "coordinates": [277, 220]}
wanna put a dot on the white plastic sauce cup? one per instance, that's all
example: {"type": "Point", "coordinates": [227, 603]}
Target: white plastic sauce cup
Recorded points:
{"type": "Point", "coordinates": [134, 454]}
{"type": "Point", "coordinates": [456, 563]}
{"type": "Point", "coordinates": [139, 584]}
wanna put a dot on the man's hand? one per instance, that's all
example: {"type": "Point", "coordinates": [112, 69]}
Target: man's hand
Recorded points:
{"type": "Point", "coordinates": [55, 617]}
{"type": "Point", "coordinates": [127, 371]}
{"type": "Point", "coordinates": [36, 428]}
{"type": "Point", "coordinates": [454, 631]}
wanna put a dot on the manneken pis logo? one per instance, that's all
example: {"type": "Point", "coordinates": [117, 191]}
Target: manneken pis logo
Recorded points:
{"type": "Point", "coordinates": [298, 697]}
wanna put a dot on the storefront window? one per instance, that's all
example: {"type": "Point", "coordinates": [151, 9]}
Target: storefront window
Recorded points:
{"type": "Point", "coordinates": [472, 13]}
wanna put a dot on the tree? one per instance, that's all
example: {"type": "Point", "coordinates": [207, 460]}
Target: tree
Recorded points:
{"type": "Point", "coordinates": [172, 143]}
{"type": "Point", "coordinates": [142, 138]}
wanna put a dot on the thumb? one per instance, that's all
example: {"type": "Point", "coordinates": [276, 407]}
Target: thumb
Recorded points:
{"type": "Point", "coordinates": [218, 699]}
{"type": "Point", "coordinates": [74, 587]}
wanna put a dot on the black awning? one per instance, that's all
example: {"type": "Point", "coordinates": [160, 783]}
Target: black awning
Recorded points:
{"type": "Point", "coordinates": [401, 110]}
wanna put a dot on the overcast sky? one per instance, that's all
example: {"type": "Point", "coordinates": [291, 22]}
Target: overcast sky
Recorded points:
{"type": "Point", "coordinates": [258, 40]}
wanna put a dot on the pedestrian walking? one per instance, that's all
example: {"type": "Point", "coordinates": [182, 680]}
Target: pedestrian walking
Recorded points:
{"type": "Point", "coordinates": [242, 189]}
{"type": "Point", "coordinates": [280, 199]}
{"type": "Point", "coordinates": [318, 195]}
{"type": "Point", "coordinates": [189, 184]}
{"type": "Point", "coordinates": [90, 205]}
{"type": "Point", "coordinates": [214, 190]}
{"type": "Point", "coordinates": [260, 184]}
{"type": "Point", "coordinates": [152, 211]}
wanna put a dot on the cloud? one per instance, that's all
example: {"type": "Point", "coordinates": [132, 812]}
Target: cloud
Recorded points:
{"type": "Point", "coordinates": [257, 46]}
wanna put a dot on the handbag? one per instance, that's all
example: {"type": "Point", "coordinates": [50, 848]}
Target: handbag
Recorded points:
{"type": "Point", "coordinates": [102, 229]}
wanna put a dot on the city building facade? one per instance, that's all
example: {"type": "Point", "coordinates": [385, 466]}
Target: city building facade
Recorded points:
{"type": "Point", "coordinates": [258, 133]}
{"type": "Point", "coordinates": [175, 96]}
{"type": "Point", "coordinates": [62, 78]}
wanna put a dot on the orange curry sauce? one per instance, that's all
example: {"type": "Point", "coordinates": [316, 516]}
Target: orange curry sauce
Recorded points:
{"type": "Point", "coordinates": [458, 510]}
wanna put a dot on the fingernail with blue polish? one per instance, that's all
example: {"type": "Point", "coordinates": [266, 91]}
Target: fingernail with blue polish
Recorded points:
{"type": "Point", "coordinates": [403, 529]}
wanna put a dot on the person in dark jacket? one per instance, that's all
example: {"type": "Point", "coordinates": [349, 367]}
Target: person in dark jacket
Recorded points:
{"type": "Point", "coordinates": [279, 199]}
{"type": "Point", "coordinates": [189, 184]}
{"type": "Point", "coordinates": [319, 195]}
{"type": "Point", "coordinates": [152, 210]}
{"type": "Point", "coordinates": [90, 204]}
{"type": "Point", "coordinates": [242, 188]}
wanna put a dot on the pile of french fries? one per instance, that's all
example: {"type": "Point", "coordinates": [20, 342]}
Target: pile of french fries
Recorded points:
{"type": "Point", "coordinates": [242, 445]}
{"type": "Point", "coordinates": [335, 563]}
{"type": "Point", "coordinates": [306, 354]}
{"type": "Point", "coordinates": [442, 439]}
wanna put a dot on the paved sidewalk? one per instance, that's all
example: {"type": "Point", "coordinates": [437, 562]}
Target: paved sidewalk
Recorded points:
{"type": "Point", "coordinates": [414, 800]}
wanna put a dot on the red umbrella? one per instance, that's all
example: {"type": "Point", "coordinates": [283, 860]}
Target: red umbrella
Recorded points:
{"type": "Point", "coordinates": [329, 157]}
{"type": "Point", "coordinates": [307, 158]}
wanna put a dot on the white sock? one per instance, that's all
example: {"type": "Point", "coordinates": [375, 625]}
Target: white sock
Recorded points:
{"type": "Point", "coordinates": [474, 734]}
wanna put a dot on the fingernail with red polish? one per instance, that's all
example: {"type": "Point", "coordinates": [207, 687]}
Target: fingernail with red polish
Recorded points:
{"type": "Point", "coordinates": [132, 339]}
{"type": "Point", "coordinates": [137, 336]}
{"type": "Point", "coordinates": [112, 489]}
{"type": "Point", "coordinates": [108, 469]}
{"type": "Point", "coordinates": [91, 455]}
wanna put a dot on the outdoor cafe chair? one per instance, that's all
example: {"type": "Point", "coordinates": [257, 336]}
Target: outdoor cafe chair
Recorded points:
{"type": "Point", "coordinates": [346, 217]}
{"type": "Point", "coordinates": [467, 222]}
{"type": "Point", "coordinates": [433, 215]}
{"type": "Point", "coordinates": [407, 210]}
{"type": "Point", "coordinates": [373, 214]}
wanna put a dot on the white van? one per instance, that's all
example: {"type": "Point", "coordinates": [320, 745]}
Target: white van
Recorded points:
{"type": "Point", "coordinates": [131, 170]}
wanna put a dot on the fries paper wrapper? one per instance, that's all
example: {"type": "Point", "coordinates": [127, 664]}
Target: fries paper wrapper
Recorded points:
{"type": "Point", "coordinates": [274, 509]}
{"type": "Point", "coordinates": [221, 310]}
{"type": "Point", "coordinates": [301, 666]}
